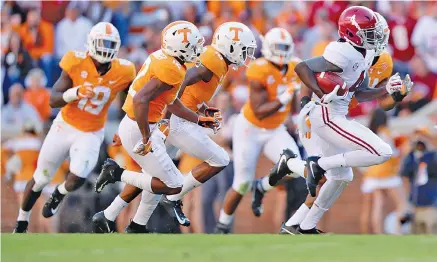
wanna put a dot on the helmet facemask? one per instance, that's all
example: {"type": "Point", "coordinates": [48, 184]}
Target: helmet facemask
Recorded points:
{"type": "Point", "coordinates": [371, 36]}
{"type": "Point", "coordinates": [103, 49]}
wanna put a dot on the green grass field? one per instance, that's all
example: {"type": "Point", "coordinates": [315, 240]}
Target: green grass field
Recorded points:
{"type": "Point", "coordinates": [204, 248]}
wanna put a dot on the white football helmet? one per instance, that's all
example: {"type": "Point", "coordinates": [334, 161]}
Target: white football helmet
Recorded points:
{"type": "Point", "coordinates": [103, 42]}
{"type": "Point", "coordinates": [235, 42]}
{"type": "Point", "coordinates": [183, 40]}
{"type": "Point", "coordinates": [277, 46]}
{"type": "Point", "coordinates": [383, 40]}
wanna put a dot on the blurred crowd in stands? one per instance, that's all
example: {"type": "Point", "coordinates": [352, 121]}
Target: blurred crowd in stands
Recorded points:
{"type": "Point", "coordinates": [36, 34]}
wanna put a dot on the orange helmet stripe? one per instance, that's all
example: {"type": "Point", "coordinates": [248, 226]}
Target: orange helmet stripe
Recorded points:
{"type": "Point", "coordinates": [108, 29]}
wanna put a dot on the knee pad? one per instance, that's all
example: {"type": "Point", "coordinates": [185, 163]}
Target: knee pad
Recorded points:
{"type": "Point", "coordinates": [219, 160]}
{"type": "Point", "coordinates": [329, 192]}
{"type": "Point", "coordinates": [41, 178]}
{"type": "Point", "coordinates": [340, 173]}
{"type": "Point", "coordinates": [243, 187]}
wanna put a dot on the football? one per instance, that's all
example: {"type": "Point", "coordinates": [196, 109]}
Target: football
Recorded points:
{"type": "Point", "coordinates": [328, 81]}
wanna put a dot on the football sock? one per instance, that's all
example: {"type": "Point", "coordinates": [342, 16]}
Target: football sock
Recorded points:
{"type": "Point", "coordinates": [297, 166]}
{"type": "Point", "coordinates": [114, 209]}
{"type": "Point", "coordinates": [265, 186]}
{"type": "Point", "coordinates": [330, 162]}
{"type": "Point", "coordinates": [140, 180]}
{"type": "Point", "coordinates": [298, 216]}
{"type": "Point", "coordinates": [23, 215]}
{"type": "Point", "coordinates": [189, 184]}
{"type": "Point", "coordinates": [30, 200]}
{"type": "Point", "coordinates": [147, 205]}
{"type": "Point", "coordinates": [225, 218]}
{"type": "Point", "coordinates": [62, 189]}
{"type": "Point", "coordinates": [329, 192]}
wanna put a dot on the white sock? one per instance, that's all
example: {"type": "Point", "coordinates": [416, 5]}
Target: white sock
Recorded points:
{"type": "Point", "coordinates": [23, 215]}
{"type": "Point", "coordinates": [312, 218]}
{"type": "Point", "coordinates": [62, 189]}
{"type": "Point", "coordinates": [114, 209]}
{"type": "Point", "coordinates": [265, 184]}
{"type": "Point", "coordinates": [225, 218]}
{"type": "Point", "coordinates": [140, 180]}
{"type": "Point", "coordinates": [297, 166]}
{"type": "Point", "coordinates": [329, 162]}
{"type": "Point", "coordinates": [329, 192]}
{"type": "Point", "coordinates": [300, 214]}
{"type": "Point", "coordinates": [189, 184]}
{"type": "Point", "coordinates": [147, 205]}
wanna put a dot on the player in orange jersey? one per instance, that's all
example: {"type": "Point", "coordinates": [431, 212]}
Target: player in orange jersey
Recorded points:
{"type": "Point", "coordinates": [199, 86]}
{"type": "Point", "coordinates": [143, 132]}
{"type": "Point", "coordinates": [259, 127]}
{"type": "Point", "coordinates": [88, 84]}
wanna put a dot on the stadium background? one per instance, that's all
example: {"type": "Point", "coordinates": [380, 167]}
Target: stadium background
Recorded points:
{"type": "Point", "coordinates": [63, 25]}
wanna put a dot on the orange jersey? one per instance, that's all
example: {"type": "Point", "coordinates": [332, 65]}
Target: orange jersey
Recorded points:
{"type": "Point", "coordinates": [275, 83]}
{"type": "Point", "coordinates": [377, 73]}
{"type": "Point", "coordinates": [195, 95]}
{"type": "Point", "coordinates": [165, 68]}
{"type": "Point", "coordinates": [26, 148]}
{"type": "Point", "coordinates": [89, 115]}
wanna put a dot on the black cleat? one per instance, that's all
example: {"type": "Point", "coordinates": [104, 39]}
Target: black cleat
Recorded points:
{"type": "Point", "coordinates": [280, 169]}
{"type": "Point", "coordinates": [290, 230]}
{"type": "Point", "coordinates": [102, 225]}
{"type": "Point", "coordinates": [174, 209]}
{"type": "Point", "coordinates": [222, 229]}
{"type": "Point", "coordinates": [52, 205]}
{"type": "Point", "coordinates": [134, 228]}
{"type": "Point", "coordinates": [312, 231]}
{"type": "Point", "coordinates": [111, 173]}
{"type": "Point", "coordinates": [315, 174]}
{"type": "Point", "coordinates": [257, 198]}
{"type": "Point", "coordinates": [406, 218]}
{"type": "Point", "coordinates": [21, 227]}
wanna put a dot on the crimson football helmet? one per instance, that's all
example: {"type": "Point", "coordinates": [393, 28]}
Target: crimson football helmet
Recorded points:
{"type": "Point", "coordinates": [359, 26]}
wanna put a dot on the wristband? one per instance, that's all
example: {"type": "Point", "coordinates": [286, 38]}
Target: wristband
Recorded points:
{"type": "Point", "coordinates": [70, 94]}
{"type": "Point", "coordinates": [285, 98]}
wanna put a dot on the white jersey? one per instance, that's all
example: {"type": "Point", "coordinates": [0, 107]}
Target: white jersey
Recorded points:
{"type": "Point", "coordinates": [354, 66]}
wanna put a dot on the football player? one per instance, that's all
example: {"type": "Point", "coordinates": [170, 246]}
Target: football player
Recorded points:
{"type": "Point", "coordinates": [88, 84]}
{"type": "Point", "coordinates": [142, 131]}
{"type": "Point", "coordinates": [233, 45]}
{"type": "Point", "coordinates": [259, 128]}
{"type": "Point", "coordinates": [379, 73]}
{"type": "Point", "coordinates": [338, 144]}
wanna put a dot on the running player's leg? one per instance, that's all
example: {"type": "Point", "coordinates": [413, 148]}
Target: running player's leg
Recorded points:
{"type": "Point", "coordinates": [247, 144]}
{"type": "Point", "coordinates": [362, 146]}
{"type": "Point", "coordinates": [84, 153]}
{"type": "Point", "coordinates": [194, 140]}
{"type": "Point", "coordinates": [53, 152]}
{"type": "Point", "coordinates": [273, 149]}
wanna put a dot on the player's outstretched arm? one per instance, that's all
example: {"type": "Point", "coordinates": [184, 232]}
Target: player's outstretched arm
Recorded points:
{"type": "Point", "coordinates": [306, 71]}
{"type": "Point", "coordinates": [365, 93]}
{"type": "Point", "coordinates": [194, 75]}
{"type": "Point", "coordinates": [258, 101]}
{"type": "Point", "coordinates": [141, 101]}
{"type": "Point", "coordinates": [63, 83]}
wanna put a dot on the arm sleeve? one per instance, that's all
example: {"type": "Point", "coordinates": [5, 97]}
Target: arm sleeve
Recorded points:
{"type": "Point", "coordinates": [334, 55]}
{"type": "Point", "coordinates": [214, 62]}
{"type": "Point", "coordinates": [168, 73]}
{"type": "Point", "coordinates": [67, 62]}
{"type": "Point", "coordinates": [255, 72]}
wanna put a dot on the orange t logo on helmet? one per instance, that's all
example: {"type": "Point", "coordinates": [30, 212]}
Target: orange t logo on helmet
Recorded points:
{"type": "Point", "coordinates": [236, 35]}
{"type": "Point", "coordinates": [184, 31]}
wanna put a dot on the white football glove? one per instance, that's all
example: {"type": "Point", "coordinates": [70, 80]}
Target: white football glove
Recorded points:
{"type": "Point", "coordinates": [328, 98]}
{"type": "Point", "coordinates": [394, 84]}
